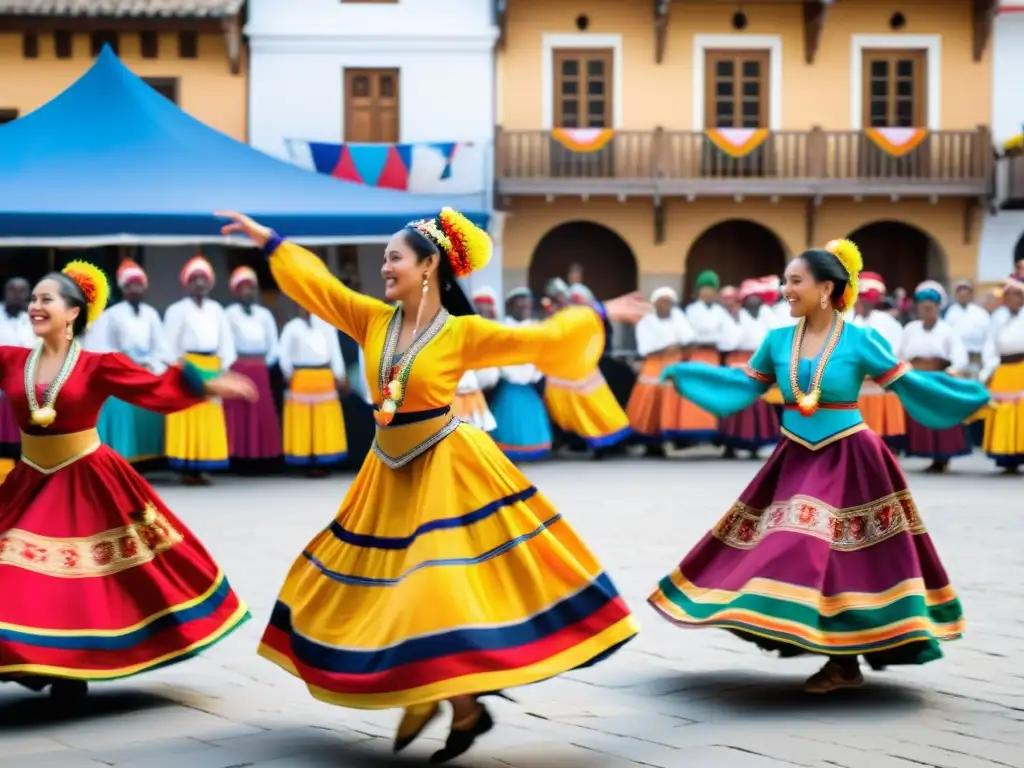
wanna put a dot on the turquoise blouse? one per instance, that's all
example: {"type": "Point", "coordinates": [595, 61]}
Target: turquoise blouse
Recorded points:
{"type": "Point", "coordinates": [935, 400]}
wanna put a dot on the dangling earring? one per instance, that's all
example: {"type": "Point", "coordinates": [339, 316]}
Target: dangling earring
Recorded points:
{"type": "Point", "coordinates": [423, 300]}
{"type": "Point", "coordinates": [69, 332]}
{"type": "Point", "coordinates": [824, 301]}
{"type": "Point", "coordinates": [426, 284]}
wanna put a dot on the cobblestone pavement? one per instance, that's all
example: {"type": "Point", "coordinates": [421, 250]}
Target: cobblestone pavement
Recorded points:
{"type": "Point", "coordinates": [671, 698]}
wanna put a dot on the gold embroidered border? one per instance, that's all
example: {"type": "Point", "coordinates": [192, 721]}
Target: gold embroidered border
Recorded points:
{"type": "Point", "coordinates": [420, 447]}
{"type": "Point", "coordinates": [826, 441]}
{"type": "Point", "coordinates": [849, 529]}
{"type": "Point", "coordinates": [756, 375]}
{"type": "Point", "coordinates": [893, 375]}
{"type": "Point", "coordinates": [106, 553]}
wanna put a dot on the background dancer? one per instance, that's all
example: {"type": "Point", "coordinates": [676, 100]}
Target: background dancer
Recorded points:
{"type": "Point", "coordinates": [100, 580]}
{"type": "Point", "coordinates": [437, 509]}
{"type": "Point", "coordinates": [254, 429]}
{"type": "Point", "coordinates": [881, 410]}
{"type": "Point", "coordinates": [1003, 372]}
{"type": "Point", "coordinates": [15, 331]}
{"type": "Point", "coordinates": [825, 552]}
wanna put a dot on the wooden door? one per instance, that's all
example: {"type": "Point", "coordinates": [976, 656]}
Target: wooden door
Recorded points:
{"type": "Point", "coordinates": [371, 106]}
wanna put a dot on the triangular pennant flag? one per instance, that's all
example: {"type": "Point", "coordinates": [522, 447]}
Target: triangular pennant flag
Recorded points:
{"type": "Point", "coordinates": [325, 156]}
{"type": "Point", "coordinates": [405, 154]}
{"type": "Point", "coordinates": [394, 174]}
{"type": "Point", "coordinates": [345, 169]}
{"type": "Point", "coordinates": [447, 150]}
{"type": "Point", "coordinates": [369, 160]}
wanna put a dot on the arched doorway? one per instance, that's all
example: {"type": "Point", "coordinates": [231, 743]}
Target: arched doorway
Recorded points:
{"type": "Point", "coordinates": [609, 267]}
{"type": "Point", "coordinates": [737, 250]}
{"type": "Point", "coordinates": [901, 253]}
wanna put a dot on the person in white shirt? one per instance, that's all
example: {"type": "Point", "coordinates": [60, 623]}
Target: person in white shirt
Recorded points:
{"type": "Point", "coordinates": [133, 328]}
{"type": "Point", "coordinates": [931, 344]}
{"type": "Point", "coordinates": [1003, 374]}
{"type": "Point", "coordinates": [881, 410]}
{"type": "Point", "coordinates": [657, 413]}
{"type": "Point", "coordinates": [197, 330]}
{"type": "Point", "coordinates": [254, 430]}
{"type": "Point", "coordinates": [470, 404]}
{"type": "Point", "coordinates": [314, 369]}
{"type": "Point", "coordinates": [15, 331]}
{"type": "Point", "coordinates": [757, 425]}
{"type": "Point", "coordinates": [523, 429]}
{"type": "Point", "coordinates": [970, 322]}
{"type": "Point", "coordinates": [711, 326]}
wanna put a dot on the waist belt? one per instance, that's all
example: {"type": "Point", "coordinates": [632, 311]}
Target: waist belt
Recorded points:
{"type": "Point", "coordinates": [930, 363]}
{"type": "Point", "coordinates": [410, 435]}
{"type": "Point", "coordinates": [1011, 359]}
{"type": "Point", "coordinates": [824, 406]}
{"type": "Point", "coordinates": [48, 453]}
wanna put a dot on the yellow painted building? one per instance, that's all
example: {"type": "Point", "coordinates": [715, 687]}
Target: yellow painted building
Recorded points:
{"type": "Point", "coordinates": [190, 50]}
{"type": "Point", "coordinates": [647, 147]}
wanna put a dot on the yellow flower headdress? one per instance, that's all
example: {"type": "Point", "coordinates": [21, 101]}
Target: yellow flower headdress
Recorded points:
{"type": "Point", "coordinates": [849, 256]}
{"type": "Point", "coordinates": [95, 287]}
{"type": "Point", "coordinates": [466, 246]}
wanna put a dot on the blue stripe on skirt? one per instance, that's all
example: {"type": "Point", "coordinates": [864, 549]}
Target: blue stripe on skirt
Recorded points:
{"type": "Point", "coordinates": [132, 432]}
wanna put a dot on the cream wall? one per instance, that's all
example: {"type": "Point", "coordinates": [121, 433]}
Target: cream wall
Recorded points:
{"type": "Point", "coordinates": [206, 88]}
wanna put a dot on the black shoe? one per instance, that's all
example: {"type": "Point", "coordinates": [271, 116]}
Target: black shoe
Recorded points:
{"type": "Point", "coordinates": [459, 742]}
{"type": "Point", "coordinates": [68, 692]}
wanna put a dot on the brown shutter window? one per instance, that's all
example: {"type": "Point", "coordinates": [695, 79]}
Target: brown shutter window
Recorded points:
{"type": "Point", "coordinates": [371, 104]}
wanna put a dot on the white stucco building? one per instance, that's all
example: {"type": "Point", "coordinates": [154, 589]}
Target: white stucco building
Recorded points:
{"type": "Point", "coordinates": [415, 73]}
{"type": "Point", "coordinates": [1002, 232]}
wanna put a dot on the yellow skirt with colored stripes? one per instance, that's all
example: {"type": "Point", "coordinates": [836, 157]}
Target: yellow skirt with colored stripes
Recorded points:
{"type": "Point", "coordinates": [1004, 425]}
{"type": "Point", "coordinates": [587, 409]}
{"type": "Point", "coordinates": [196, 439]}
{"type": "Point", "coordinates": [314, 428]}
{"type": "Point", "coordinates": [449, 575]}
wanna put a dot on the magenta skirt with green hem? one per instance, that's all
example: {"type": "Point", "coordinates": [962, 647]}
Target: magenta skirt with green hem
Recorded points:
{"type": "Point", "coordinates": [824, 553]}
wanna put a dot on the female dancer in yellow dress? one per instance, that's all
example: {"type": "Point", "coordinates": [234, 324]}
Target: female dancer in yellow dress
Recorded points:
{"type": "Point", "coordinates": [445, 574]}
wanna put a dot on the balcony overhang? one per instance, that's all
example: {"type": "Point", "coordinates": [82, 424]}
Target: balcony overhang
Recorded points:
{"type": "Point", "coordinates": [983, 13]}
{"type": "Point", "coordinates": [815, 14]}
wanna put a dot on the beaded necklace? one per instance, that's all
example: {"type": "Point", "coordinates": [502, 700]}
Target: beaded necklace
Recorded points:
{"type": "Point", "coordinates": [46, 414]}
{"type": "Point", "coordinates": [807, 403]}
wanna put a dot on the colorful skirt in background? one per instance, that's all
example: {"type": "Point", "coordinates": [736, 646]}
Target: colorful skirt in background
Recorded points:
{"type": "Point", "coordinates": [825, 552]}
{"type": "Point", "coordinates": [647, 400]}
{"type": "Point", "coordinates": [472, 408]}
{"type": "Point", "coordinates": [196, 439]}
{"type": "Point", "coordinates": [10, 438]}
{"type": "Point", "coordinates": [359, 618]}
{"type": "Point", "coordinates": [755, 426]}
{"type": "Point", "coordinates": [937, 444]}
{"type": "Point", "coordinates": [100, 580]}
{"type": "Point", "coordinates": [1004, 425]}
{"type": "Point", "coordinates": [586, 409]}
{"type": "Point", "coordinates": [524, 430]}
{"type": "Point", "coordinates": [254, 431]}
{"type": "Point", "coordinates": [883, 413]}
{"type": "Point", "coordinates": [682, 420]}
{"type": "Point", "coordinates": [314, 427]}
{"type": "Point", "coordinates": [136, 434]}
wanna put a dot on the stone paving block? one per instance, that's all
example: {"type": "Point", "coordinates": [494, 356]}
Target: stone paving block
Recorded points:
{"type": "Point", "coordinates": [565, 756]}
{"type": "Point", "coordinates": [27, 744]}
{"type": "Point", "coordinates": [935, 757]}
{"type": "Point", "coordinates": [724, 757]}
{"type": "Point", "coordinates": [627, 748]}
{"type": "Point", "coordinates": [180, 748]}
{"type": "Point", "coordinates": [53, 760]}
{"type": "Point", "coordinates": [270, 745]}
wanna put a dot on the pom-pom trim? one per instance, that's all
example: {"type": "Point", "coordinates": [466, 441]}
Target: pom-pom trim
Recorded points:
{"type": "Point", "coordinates": [95, 287]}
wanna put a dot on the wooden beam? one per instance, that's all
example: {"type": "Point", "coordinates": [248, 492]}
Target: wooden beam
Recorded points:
{"type": "Point", "coordinates": [972, 207]}
{"type": "Point", "coordinates": [501, 19]}
{"type": "Point", "coordinates": [983, 14]}
{"type": "Point", "coordinates": [815, 12]}
{"type": "Point", "coordinates": [233, 38]}
{"type": "Point", "coordinates": [45, 24]}
{"type": "Point", "coordinates": [661, 9]}
{"type": "Point", "coordinates": [811, 221]}
{"type": "Point", "coordinates": [659, 220]}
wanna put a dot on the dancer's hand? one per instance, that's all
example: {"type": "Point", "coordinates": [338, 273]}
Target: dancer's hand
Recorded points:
{"type": "Point", "coordinates": [628, 309]}
{"type": "Point", "coordinates": [232, 386]}
{"type": "Point", "coordinates": [243, 225]}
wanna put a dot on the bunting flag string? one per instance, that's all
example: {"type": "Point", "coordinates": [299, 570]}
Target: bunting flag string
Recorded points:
{"type": "Point", "coordinates": [583, 140]}
{"type": "Point", "coordinates": [897, 142]}
{"type": "Point", "coordinates": [737, 142]}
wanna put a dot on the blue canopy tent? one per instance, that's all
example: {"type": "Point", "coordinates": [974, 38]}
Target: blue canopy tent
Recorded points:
{"type": "Point", "coordinates": [112, 161]}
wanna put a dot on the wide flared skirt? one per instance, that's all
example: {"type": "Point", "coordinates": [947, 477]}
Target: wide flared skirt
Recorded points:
{"type": "Point", "coordinates": [937, 444]}
{"type": "Point", "coordinates": [314, 426]}
{"type": "Point", "coordinates": [755, 426]}
{"type": "Point", "coordinates": [10, 432]}
{"type": "Point", "coordinates": [1004, 425]}
{"type": "Point", "coordinates": [134, 433]}
{"type": "Point", "coordinates": [196, 439]}
{"type": "Point", "coordinates": [99, 579]}
{"type": "Point", "coordinates": [524, 430]}
{"type": "Point", "coordinates": [472, 408]}
{"type": "Point", "coordinates": [644, 408]}
{"type": "Point", "coordinates": [587, 410]}
{"type": "Point", "coordinates": [451, 575]}
{"type": "Point", "coordinates": [254, 430]}
{"type": "Point", "coordinates": [883, 413]}
{"type": "Point", "coordinates": [683, 420]}
{"type": "Point", "coordinates": [825, 552]}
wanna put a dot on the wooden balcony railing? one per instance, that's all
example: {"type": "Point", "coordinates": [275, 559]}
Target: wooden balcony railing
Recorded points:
{"type": "Point", "coordinates": [814, 162]}
{"type": "Point", "coordinates": [1014, 192]}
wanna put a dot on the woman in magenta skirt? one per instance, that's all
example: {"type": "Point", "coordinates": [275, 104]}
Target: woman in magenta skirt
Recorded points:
{"type": "Point", "coordinates": [825, 552]}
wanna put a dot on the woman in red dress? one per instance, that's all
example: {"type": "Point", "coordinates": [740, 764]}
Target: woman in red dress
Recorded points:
{"type": "Point", "coordinates": [99, 580]}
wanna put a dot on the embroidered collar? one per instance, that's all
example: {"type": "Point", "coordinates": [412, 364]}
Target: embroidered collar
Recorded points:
{"type": "Point", "coordinates": [389, 359]}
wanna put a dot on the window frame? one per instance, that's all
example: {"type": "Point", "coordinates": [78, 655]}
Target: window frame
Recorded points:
{"type": "Point", "coordinates": [920, 85]}
{"type": "Point", "coordinates": [349, 74]}
{"type": "Point", "coordinates": [170, 83]}
{"type": "Point", "coordinates": [583, 55]}
{"type": "Point", "coordinates": [713, 56]}
{"type": "Point", "coordinates": [9, 115]}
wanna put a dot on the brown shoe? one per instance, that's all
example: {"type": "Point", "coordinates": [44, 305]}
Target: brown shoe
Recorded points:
{"type": "Point", "coordinates": [834, 677]}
